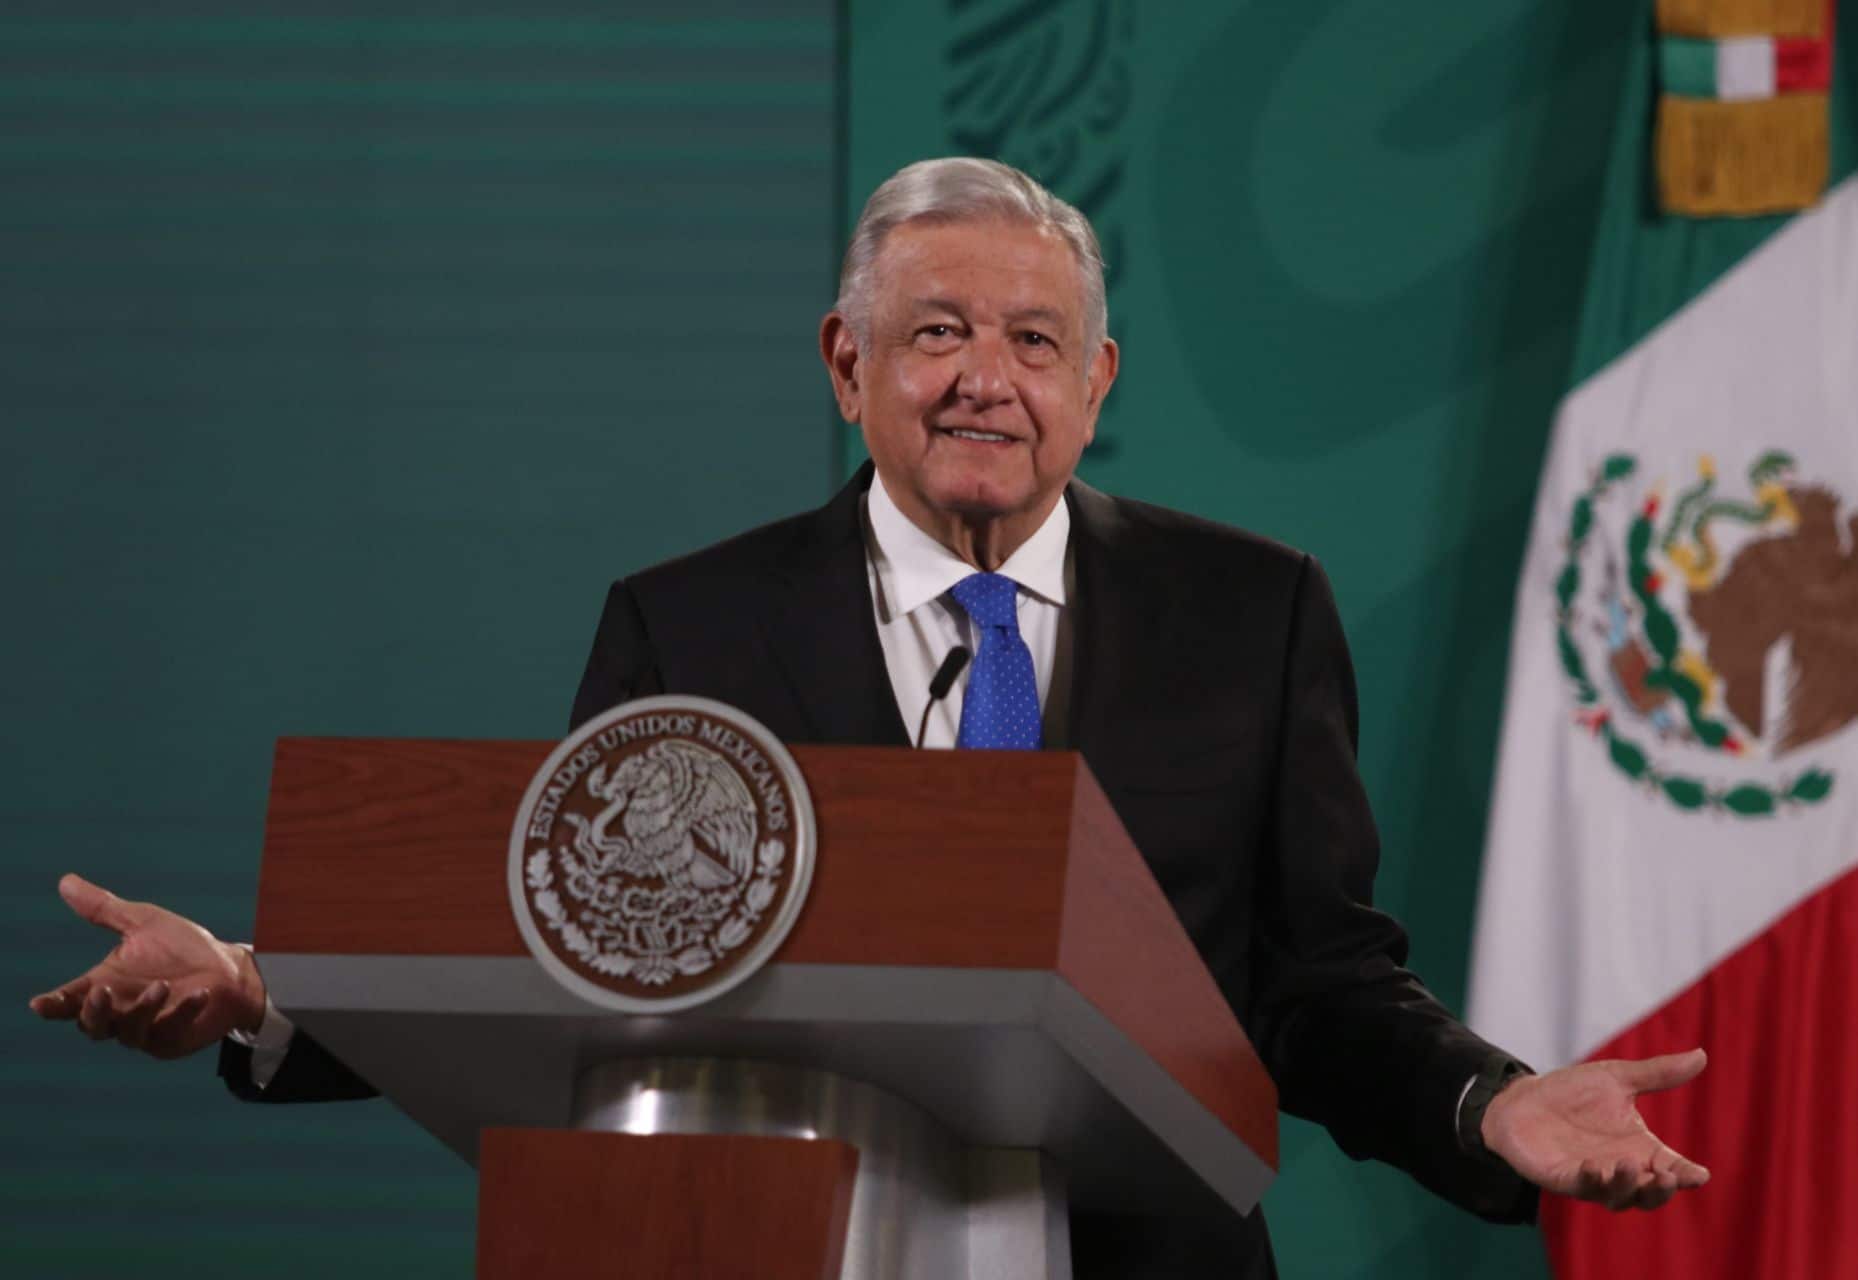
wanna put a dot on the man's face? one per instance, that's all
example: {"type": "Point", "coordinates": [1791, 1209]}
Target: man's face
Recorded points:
{"type": "Point", "coordinates": [975, 391]}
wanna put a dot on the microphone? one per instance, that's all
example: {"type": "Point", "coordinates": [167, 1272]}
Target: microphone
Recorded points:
{"type": "Point", "coordinates": [939, 686]}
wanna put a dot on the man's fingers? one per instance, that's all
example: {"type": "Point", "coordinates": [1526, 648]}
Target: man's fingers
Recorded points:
{"type": "Point", "coordinates": [1648, 1075]}
{"type": "Point", "coordinates": [168, 1034]}
{"type": "Point", "coordinates": [153, 1021]}
{"type": "Point", "coordinates": [1617, 1184]}
{"type": "Point", "coordinates": [1624, 1186]}
{"type": "Point", "coordinates": [1591, 1182]}
{"type": "Point", "coordinates": [1655, 1194]}
{"type": "Point", "coordinates": [133, 1023]}
{"type": "Point", "coordinates": [62, 1003]}
{"type": "Point", "coordinates": [182, 1011]}
{"type": "Point", "coordinates": [96, 904]}
{"type": "Point", "coordinates": [1683, 1172]}
{"type": "Point", "coordinates": [96, 1018]}
{"type": "Point", "coordinates": [1635, 1184]}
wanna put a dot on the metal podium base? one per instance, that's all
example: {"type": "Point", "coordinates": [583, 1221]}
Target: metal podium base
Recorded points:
{"type": "Point", "coordinates": [924, 1206]}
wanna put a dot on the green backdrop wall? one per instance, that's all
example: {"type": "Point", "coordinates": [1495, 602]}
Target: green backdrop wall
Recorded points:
{"type": "Point", "coordinates": [1347, 245]}
{"type": "Point", "coordinates": [342, 362]}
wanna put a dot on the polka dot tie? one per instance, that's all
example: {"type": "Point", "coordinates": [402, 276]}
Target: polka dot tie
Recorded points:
{"type": "Point", "coordinates": [1000, 710]}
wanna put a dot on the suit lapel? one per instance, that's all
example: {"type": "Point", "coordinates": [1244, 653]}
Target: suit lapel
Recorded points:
{"type": "Point", "coordinates": [1118, 631]}
{"type": "Point", "coordinates": [824, 634]}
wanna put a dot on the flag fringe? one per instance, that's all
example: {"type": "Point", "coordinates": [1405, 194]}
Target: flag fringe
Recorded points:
{"type": "Point", "coordinates": [1742, 158]}
{"type": "Point", "coordinates": [1717, 19]}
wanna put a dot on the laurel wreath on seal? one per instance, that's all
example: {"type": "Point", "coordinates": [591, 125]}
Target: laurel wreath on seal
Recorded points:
{"type": "Point", "coordinates": [1746, 799]}
{"type": "Point", "coordinates": [654, 970]}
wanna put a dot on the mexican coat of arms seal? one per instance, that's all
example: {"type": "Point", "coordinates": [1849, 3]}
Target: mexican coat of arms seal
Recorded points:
{"type": "Point", "coordinates": [1708, 628]}
{"type": "Point", "coordinates": [661, 854]}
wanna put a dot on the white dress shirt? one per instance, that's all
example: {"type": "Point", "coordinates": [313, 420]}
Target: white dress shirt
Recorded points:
{"type": "Point", "coordinates": [918, 622]}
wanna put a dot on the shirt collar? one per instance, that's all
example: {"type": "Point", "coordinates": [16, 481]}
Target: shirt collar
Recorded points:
{"type": "Point", "coordinates": [914, 568]}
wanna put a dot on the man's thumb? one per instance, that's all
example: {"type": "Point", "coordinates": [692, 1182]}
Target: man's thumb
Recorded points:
{"type": "Point", "coordinates": [1648, 1075]}
{"type": "Point", "coordinates": [96, 904]}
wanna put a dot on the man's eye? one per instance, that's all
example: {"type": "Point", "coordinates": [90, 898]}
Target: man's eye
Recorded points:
{"type": "Point", "coordinates": [1033, 338]}
{"type": "Point", "coordinates": [935, 331]}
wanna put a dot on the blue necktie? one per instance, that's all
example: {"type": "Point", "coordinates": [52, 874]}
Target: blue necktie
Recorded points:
{"type": "Point", "coordinates": [1000, 710]}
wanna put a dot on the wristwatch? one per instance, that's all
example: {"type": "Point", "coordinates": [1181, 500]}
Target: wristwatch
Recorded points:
{"type": "Point", "coordinates": [1492, 1078]}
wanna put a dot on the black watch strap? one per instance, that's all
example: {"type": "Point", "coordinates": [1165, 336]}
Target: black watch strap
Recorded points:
{"type": "Point", "coordinates": [1490, 1080]}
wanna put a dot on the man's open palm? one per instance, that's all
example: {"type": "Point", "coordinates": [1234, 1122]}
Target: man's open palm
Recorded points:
{"type": "Point", "coordinates": [168, 987]}
{"type": "Point", "coordinates": [1577, 1131]}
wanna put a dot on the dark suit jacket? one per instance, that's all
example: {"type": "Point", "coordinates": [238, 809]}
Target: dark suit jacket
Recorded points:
{"type": "Point", "coordinates": [1213, 697]}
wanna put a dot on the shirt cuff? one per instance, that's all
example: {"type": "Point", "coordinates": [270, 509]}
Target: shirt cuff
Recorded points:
{"type": "Point", "coordinates": [269, 1043]}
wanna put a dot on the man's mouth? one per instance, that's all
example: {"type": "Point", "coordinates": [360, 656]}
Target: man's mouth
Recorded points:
{"type": "Point", "coordinates": [984, 437]}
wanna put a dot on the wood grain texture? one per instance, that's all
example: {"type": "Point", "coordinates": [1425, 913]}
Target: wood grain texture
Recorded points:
{"type": "Point", "coordinates": [399, 847]}
{"type": "Point", "coordinates": [382, 846]}
{"type": "Point", "coordinates": [935, 857]}
{"type": "Point", "coordinates": [559, 1203]}
{"type": "Point", "coordinates": [1125, 952]}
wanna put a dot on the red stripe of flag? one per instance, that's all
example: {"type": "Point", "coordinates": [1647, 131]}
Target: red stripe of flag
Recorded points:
{"type": "Point", "coordinates": [1802, 65]}
{"type": "Point", "coordinates": [1774, 1117]}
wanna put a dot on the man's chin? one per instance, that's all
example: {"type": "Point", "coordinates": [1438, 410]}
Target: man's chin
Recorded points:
{"type": "Point", "coordinates": [979, 503]}
{"type": "Point", "coordinates": [972, 496]}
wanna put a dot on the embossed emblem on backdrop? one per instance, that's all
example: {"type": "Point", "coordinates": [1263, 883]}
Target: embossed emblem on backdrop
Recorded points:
{"type": "Point", "coordinates": [662, 854]}
{"type": "Point", "coordinates": [1048, 88]}
{"type": "Point", "coordinates": [1707, 625]}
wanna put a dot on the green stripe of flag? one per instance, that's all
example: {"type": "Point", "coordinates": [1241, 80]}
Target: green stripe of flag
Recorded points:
{"type": "Point", "coordinates": [1687, 67]}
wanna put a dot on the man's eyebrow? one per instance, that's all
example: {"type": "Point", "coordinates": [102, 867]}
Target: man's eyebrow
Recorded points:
{"type": "Point", "coordinates": [1050, 315]}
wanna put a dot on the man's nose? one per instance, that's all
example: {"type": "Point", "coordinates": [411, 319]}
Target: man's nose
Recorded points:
{"type": "Point", "coordinates": [985, 379]}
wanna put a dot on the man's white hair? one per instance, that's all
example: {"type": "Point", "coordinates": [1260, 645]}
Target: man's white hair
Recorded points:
{"type": "Point", "coordinates": [963, 189]}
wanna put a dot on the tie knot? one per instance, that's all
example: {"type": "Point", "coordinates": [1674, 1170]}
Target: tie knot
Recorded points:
{"type": "Point", "coordinates": [990, 599]}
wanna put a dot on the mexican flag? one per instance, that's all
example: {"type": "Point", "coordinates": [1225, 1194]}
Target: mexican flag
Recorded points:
{"type": "Point", "coordinates": [1672, 856]}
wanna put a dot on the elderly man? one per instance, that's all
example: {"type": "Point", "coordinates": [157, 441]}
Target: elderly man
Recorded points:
{"type": "Point", "coordinates": [1201, 670]}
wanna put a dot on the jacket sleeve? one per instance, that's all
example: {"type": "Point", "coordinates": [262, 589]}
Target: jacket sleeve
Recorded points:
{"type": "Point", "coordinates": [1353, 1038]}
{"type": "Point", "coordinates": [308, 1073]}
{"type": "Point", "coordinates": [621, 666]}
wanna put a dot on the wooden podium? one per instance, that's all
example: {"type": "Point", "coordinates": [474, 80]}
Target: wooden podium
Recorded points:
{"type": "Point", "coordinates": [986, 1012]}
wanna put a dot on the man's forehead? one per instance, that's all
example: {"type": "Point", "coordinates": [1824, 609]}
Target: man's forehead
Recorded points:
{"type": "Point", "coordinates": [1022, 270]}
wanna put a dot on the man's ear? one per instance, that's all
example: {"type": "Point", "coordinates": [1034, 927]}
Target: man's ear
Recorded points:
{"type": "Point", "coordinates": [1098, 379]}
{"type": "Point", "coordinates": [839, 348]}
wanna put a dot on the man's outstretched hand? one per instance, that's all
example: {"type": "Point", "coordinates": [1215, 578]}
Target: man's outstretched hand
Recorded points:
{"type": "Point", "coordinates": [1576, 1131]}
{"type": "Point", "coordinates": [168, 987]}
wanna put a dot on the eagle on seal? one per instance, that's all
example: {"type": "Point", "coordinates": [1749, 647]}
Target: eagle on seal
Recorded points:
{"type": "Point", "coordinates": [666, 799]}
